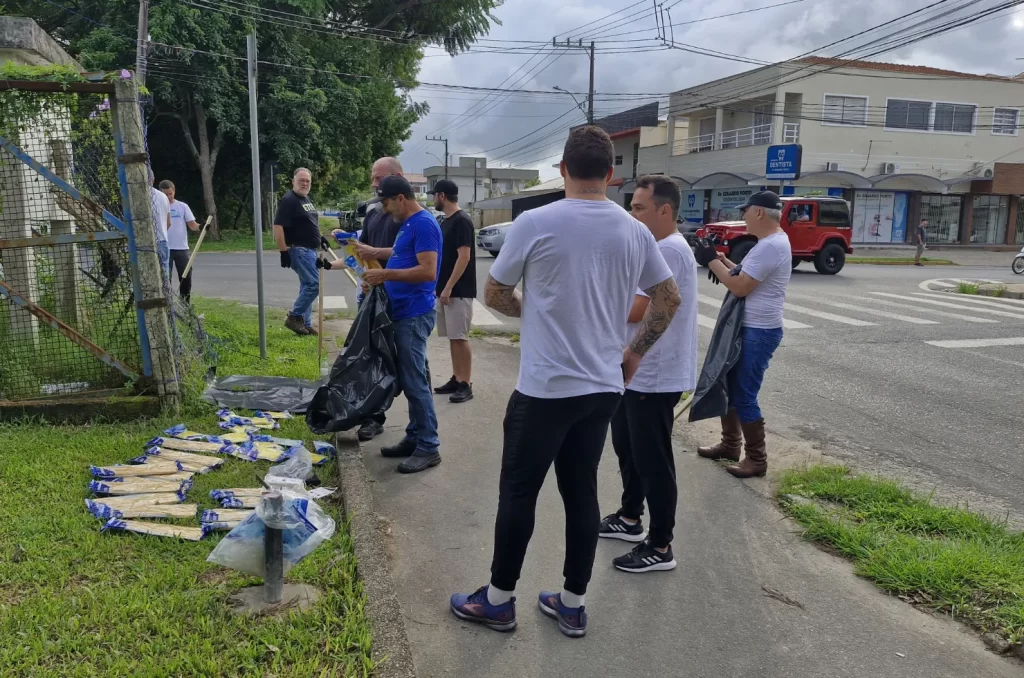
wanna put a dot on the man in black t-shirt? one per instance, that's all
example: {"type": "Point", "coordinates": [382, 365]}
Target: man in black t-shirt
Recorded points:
{"type": "Point", "coordinates": [456, 288]}
{"type": "Point", "coordinates": [297, 234]}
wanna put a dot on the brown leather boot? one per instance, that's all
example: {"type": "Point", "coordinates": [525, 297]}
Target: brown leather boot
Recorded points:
{"type": "Point", "coordinates": [732, 440]}
{"type": "Point", "coordinates": [755, 463]}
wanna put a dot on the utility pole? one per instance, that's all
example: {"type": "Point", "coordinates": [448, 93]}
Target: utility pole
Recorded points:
{"type": "Point", "coordinates": [590, 52]}
{"type": "Point", "coordinates": [476, 163]}
{"type": "Point", "coordinates": [140, 47]}
{"type": "Point", "coordinates": [445, 152]}
{"type": "Point", "coordinates": [257, 199]}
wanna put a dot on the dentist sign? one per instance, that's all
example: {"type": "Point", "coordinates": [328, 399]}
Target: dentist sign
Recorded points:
{"type": "Point", "coordinates": [783, 162]}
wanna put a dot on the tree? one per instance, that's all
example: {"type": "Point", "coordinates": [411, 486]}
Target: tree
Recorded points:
{"type": "Point", "coordinates": [531, 183]}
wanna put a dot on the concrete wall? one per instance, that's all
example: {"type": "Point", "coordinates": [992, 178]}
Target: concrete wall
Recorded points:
{"type": "Point", "coordinates": [624, 147]}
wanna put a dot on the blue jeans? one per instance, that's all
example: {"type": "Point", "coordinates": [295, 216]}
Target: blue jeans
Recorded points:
{"type": "Point", "coordinates": [411, 342]}
{"type": "Point", "coordinates": [304, 265]}
{"type": "Point", "coordinates": [745, 378]}
{"type": "Point", "coordinates": [164, 252]}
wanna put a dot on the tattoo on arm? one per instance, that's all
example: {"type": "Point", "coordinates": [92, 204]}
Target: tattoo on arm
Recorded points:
{"type": "Point", "coordinates": [504, 299]}
{"type": "Point", "coordinates": [665, 302]}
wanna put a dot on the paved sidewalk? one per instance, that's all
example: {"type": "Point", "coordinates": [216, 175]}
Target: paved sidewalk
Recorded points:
{"type": "Point", "coordinates": [963, 256]}
{"type": "Point", "coordinates": [709, 618]}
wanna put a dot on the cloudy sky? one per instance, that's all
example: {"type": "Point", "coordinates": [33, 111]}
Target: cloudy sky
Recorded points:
{"type": "Point", "coordinates": [476, 121]}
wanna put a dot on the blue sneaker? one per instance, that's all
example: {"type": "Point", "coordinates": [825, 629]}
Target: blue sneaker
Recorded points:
{"type": "Point", "coordinates": [474, 607]}
{"type": "Point", "coordinates": [572, 621]}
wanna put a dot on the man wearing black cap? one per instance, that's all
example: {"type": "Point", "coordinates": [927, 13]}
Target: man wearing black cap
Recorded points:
{"type": "Point", "coordinates": [409, 279]}
{"type": "Point", "coordinates": [456, 289]}
{"type": "Point", "coordinates": [762, 280]}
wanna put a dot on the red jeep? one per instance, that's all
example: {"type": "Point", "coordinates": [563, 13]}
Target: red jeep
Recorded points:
{"type": "Point", "coordinates": [819, 230]}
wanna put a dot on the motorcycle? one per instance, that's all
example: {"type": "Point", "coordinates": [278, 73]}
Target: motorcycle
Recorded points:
{"type": "Point", "coordinates": [1018, 263]}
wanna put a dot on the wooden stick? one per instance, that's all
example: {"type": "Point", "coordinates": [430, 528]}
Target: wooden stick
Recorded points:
{"type": "Point", "coordinates": [683, 405]}
{"type": "Point", "coordinates": [199, 243]}
{"type": "Point", "coordinates": [348, 271]}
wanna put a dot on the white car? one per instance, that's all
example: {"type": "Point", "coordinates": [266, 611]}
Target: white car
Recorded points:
{"type": "Point", "coordinates": [491, 238]}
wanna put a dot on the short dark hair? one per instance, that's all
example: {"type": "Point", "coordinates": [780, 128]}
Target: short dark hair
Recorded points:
{"type": "Point", "coordinates": [663, 190]}
{"type": "Point", "coordinates": [588, 153]}
{"type": "Point", "coordinates": [166, 183]}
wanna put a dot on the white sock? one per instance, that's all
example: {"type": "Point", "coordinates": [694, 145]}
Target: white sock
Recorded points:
{"type": "Point", "coordinates": [628, 521]}
{"type": "Point", "coordinates": [570, 599]}
{"type": "Point", "coordinates": [496, 596]}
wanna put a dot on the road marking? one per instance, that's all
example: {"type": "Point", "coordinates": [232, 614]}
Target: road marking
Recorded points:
{"type": "Point", "coordinates": [705, 321]}
{"type": "Point", "coordinates": [972, 309]}
{"type": "Point", "coordinates": [921, 309]}
{"type": "Point", "coordinates": [868, 311]}
{"type": "Point", "coordinates": [786, 323]}
{"type": "Point", "coordinates": [332, 303]}
{"type": "Point", "coordinates": [995, 302]}
{"type": "Point", "coordinates": [978, 343]}
{"type": "Point", "coordinates": [828, 316]}
{"type": "Point", "coordinates": [481, 316]}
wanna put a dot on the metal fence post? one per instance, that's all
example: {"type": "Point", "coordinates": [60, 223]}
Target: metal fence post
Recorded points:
{"type": "Point", "coordinates": [135, 188]}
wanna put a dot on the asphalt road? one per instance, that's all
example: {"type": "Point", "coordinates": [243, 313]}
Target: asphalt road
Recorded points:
{"type": "Point", "coordinates": [855, 374]}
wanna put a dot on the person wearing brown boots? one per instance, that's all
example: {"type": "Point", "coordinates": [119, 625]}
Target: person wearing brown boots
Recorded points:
{"type": "Point", "coordinates": [762, 280]}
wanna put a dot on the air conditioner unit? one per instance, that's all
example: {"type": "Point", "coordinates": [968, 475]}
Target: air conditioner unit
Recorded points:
{"type": "Point", "coordinates": [833, 167]}
{"type": "Point", "coordinates": [987, 173]}
{"type": "Point", "coordinates": [890, 168]}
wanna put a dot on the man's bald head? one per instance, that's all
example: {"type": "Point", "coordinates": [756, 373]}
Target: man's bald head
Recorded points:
{"type": "Point", "coordinates": [385, 167]}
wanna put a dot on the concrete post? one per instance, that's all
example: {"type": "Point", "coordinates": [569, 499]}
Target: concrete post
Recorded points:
{"type": "Point", "coordinates": [154, 304]}
{"type": "Point", "coordinates": [719, 127]}
{"type": "Point", "coordinates": [19, 263]}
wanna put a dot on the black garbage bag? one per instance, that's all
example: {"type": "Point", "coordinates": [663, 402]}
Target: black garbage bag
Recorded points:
{"type": "Point", "coordinates": [364, 379]}
{"type": "Point", "coordinates": [711, 397]}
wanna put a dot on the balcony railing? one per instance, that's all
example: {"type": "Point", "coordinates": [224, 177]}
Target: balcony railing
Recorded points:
{"type": "Point", "coordinates": [758, 135]}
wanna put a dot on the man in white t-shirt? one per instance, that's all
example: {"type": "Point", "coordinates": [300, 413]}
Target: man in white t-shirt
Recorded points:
{"type": "Point", "coordinates": [763, 279]}
{"type": "Point", "coordinates": [580, 261]}
{"type": "Point", "coordinates": [182, 220]}
{"type": "Point", "coordinates": [642, 426]}
{"type": "Point", "coordinates": [161, 222]}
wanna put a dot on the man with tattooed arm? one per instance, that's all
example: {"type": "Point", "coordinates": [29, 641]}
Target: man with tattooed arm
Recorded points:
{"type": "Point", "coordinates": [581, 260]}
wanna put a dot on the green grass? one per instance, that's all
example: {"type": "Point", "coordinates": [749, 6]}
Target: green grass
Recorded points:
{"type": "Point", "coordinates": [899, 261]}
{"type": "Point", "coordinates": [245, 241]}
{"type": "Point", "coordinates": [74, 602]}
{"type": "Point", "coordinates": [964, 287]}
{"type": "Point", "coordinates": [945, 558]}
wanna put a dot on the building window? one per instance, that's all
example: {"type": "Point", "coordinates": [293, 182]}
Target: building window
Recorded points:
{"type": "Point", "coordinates": [618, 160]}
{"type": "Point", "coordinates": [957, 118]}
{"type": "Point", "coordinates": [943, 215]}
{"type": "Point", "coordinates": [903, 114]}
{"type": "Point", "coordinates": [990, 214]}
{"type": "Point", "coordinates": [842, 109]}
{"type": "Point", "coordinates": [1004, 121]}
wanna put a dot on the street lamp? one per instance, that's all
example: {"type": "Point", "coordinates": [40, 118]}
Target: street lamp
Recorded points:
{"type": "Point", "coordinates": [578, 104]}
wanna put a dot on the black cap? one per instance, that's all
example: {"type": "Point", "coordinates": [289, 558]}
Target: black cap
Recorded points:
{"type": "Point", "coordinates": [394, 186]}
{"type": "Point", "coordinates": [766, 199]}
{"type": "Point", "coordinates": [446, 186]}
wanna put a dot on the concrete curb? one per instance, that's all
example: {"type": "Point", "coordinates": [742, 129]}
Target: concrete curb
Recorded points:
{"type": "Point", "coordinates": [1007, 291]}
{"type": "Point", "coordinates": [391, 653]}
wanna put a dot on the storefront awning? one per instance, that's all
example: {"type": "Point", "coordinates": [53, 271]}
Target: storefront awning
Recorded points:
{"type": "Point", "coordinates": [909, 182]}
{"type": "Point", "coordinates": [837, 179]}
{"type": "Point", "coordinates": [630, 184]}
{"type": "Point", "coordinates": [720, 179]}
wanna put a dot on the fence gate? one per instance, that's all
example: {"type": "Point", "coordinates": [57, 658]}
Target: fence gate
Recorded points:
{"type": "Point", "coordinates": [69, 318]}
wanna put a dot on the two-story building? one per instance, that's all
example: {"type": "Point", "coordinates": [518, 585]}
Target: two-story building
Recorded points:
{"type": "Point", "coordinates": [477, 181]}
{"type": "Point", "coordinates": [899, 142]}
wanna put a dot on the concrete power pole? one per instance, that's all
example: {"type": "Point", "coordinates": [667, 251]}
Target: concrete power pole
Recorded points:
{"type": "Point", "coordinates": [445, 152]}
{"type": "Point", "coordinates": [257, 199]}
{"type": "Point", "coordinates": [141, 47]}
{"type": "Point", "coordinates": [590, 52]}
{"type": "Point", "coordinates": [131, 149]}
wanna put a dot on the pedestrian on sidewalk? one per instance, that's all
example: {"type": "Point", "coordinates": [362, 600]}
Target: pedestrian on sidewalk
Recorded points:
{"type": "Point", "coordinates": [182, 220]}
{"type": "Point", "coordinates": [379, 231]}
{"type": "Point", "coordinates": [409, 279]}
{"type": "Point", "coordinates": [921, 228]}
{"type": "Point", "coordinates": [298, 239]}
{"type": "Point", "coordinates": [580, 260]}
{"type": "Point", "coordinates": [642, 425]}
{"type": "Point", "coordinates": [456, 289]}
{"type": "Point", "coordinates": [762, 279]}
{"type": "Point", "coordinates": [161, 223]}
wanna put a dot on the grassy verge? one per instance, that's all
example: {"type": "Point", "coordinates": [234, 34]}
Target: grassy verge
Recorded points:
{"type": "Point", "coordinates": [74, 602]}
{"type": "Point", "coordinates": [245, 241]}
{"type": "Point", "coordinates": [899, 261]}
{"type": "Point", "coordinates": [944, 558]}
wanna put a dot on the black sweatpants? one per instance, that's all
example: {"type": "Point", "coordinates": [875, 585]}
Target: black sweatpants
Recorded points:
{"type": "Point", "coordinates": [179, 258]}
{"type": "Point", "coordinates": [569, 432]}
{"type": "Point", "coordinates": [642, 438]}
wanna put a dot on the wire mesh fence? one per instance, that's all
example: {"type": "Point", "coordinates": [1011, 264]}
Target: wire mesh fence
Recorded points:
{"type": "Point", "coordinates": [68, 321]}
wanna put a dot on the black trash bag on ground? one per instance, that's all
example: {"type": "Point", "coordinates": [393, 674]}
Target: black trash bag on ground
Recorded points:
{"type": "Point", "coordinates": [711, 397]}
{"type": "Point", "coordinates": [364, 379]}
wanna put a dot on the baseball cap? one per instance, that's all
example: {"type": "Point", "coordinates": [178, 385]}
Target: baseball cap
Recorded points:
{"type": "Point", "coordinates": [394, 186]}
{"type": "Point", "coordinates": [446, 186]}
{"type": "Point", "coordinates": [766, 199]}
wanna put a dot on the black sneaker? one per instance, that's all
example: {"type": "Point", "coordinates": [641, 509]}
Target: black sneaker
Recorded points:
{"type": "Point", "coordinates": [645, 558]}
{"type": "Point", "coordinates": [369, 430]}
{"type": "Point", "coordinates": [419, 462]}
{"type": "Point", "coordinates": [403, 449]}
{"type": "Point", "coordinates": [614, 527]}
{"type": "Point", "coordinates": [463, 393]}
{"type": "Point", "coordinates": [450, 387]}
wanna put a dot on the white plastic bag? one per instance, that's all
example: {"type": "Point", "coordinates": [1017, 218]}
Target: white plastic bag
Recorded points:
{"type": "Point", "coordinates": [304, 524]}
{"type": "Point", "coordinates": [299, 464]}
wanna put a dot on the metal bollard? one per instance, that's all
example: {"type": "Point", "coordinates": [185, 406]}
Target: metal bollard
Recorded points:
{"type": "Point", "coordinates": [273, 550]}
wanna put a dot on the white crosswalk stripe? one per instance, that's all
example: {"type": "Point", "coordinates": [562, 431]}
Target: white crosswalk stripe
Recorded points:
{"type": "Point", "coordinates": [943, 314]}
{"type": "Point", "coordinates": [868, 311]}
{"type": "Point", "coordinates": [705, 321]}
{"type": "Point", "coordinates": [945, 304]}
{"type": "Point", "coordinates": [994, 302]}
{"type": "Point", "coordinates": [978, 343]}
{"type": "Point", "coordinates": [481, 316]}
{"type": "Point", "coordinates": [717, 303]}
{"type": "Point", "coordinates": [828, 316]}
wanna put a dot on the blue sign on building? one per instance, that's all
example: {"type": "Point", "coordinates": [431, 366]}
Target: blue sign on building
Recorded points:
{"type": "Point", "coordinates": [783, 162]}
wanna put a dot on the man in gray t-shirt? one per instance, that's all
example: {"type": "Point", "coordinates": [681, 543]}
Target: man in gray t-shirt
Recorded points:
{"type": "Point", "coordinates": [762, 279]}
